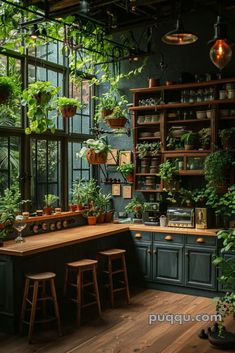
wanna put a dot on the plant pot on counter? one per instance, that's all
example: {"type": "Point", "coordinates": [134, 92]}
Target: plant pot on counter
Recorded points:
{"type": "Point", "coordinates": [91, 220]}
{"type": "Point", "coordinates": [108, 216]}
{"type": "Point", "coordinates": [130, 178]}
{"type": "Point", "coordinates": [47, 210]}
{"type": "Point", "coordinates": [101, 218]}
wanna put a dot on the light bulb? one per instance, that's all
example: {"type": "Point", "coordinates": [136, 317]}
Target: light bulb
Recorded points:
{"type": "Point", "coordinates": [220, 53]}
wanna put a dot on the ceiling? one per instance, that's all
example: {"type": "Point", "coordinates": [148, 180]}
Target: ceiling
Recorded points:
{"type": "Point", "coordinates": [121, 15]}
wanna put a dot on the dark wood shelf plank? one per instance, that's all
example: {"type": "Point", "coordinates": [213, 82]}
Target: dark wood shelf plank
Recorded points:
{"type": "Point", "coordinates": [189, 121]}
{"type": "Point", "coordinates": [153, 190]}
{"type": "Point", "coordinates": [149, 138]}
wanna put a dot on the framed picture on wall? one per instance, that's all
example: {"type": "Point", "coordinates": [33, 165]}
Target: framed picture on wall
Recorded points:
{"type": "Point", "coordinates": [124, 157]}
{"type": "Point", "coordinates": [116, 189]}
{"type": "Point", "coordinates": [112, 157]}
{"type": "Point", "coordinates": [127, 191]}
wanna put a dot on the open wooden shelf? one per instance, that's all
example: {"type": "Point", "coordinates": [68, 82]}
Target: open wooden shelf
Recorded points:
{"type": "Point", "coordinates": [152, 190]}
{"type": "Point", "coordinates": [189, 121]}
{"type": "Point", "coordinates": [190, 172]}
{"type": "Point", "coordinates": [148, 124]}
{"type": "Point", "coordinates": [146, 174]}
{"type": "Point", "coordinates": [183, 152]}
{"type": "Point", "coordinates": [149, 138]}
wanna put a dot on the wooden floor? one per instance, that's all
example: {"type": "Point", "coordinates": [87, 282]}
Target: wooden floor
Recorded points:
{"type": "Point", "coordinates": [125, 329]}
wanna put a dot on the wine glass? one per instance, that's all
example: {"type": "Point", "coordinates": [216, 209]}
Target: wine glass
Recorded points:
{"type": "Point", "coordinates": [19, 226]}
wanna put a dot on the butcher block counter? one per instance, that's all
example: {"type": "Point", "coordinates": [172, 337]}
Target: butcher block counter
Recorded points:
{"type": "Point", "coordinates": [49, 241]}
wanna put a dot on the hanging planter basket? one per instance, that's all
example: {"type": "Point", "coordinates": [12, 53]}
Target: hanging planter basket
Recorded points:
{"type": "Point", "coordinates": [116, 123]}
{"type": "Point", "coordinates": [106, 112]}
{"type": "Point", "coordinates": [96, 158]}
{"type": "Point", "coordinates": [43, 97]}
{"type": "Point", "coordinates": [4, 95]}
{"type": "Point", "coordinates": [68, 111]}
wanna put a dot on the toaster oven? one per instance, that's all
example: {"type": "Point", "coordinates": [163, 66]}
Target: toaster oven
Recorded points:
{"type": "Point", "coordinates": [182, 217]}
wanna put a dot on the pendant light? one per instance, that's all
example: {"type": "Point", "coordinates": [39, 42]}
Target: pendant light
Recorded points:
{"type": "Point", "coordinates": [179, 36]}
{"type": "Point", "coordinates": [220, 52]}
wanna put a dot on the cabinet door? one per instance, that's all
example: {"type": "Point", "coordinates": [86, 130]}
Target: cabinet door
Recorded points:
{"type": "Point", "coordinates": [168, 263]}
{"type": "Point", "coordinates": [199, 269]}
{"type": "Point", "coordinates": [144, 260]}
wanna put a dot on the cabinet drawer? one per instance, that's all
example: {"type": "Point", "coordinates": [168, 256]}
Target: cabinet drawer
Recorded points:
{"type": "Point", "coordinates": [141, 236]}
{"type": "Point", "coordinates": [201, 240]}
{"type": "Point", "coordinates": [168, 238]}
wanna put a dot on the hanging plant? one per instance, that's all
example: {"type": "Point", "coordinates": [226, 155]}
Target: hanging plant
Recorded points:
{"type": "Point", "coordinates": [39, 99]}
{"type": "Point", "coordinates": [68, 106]}
{"type": "Point", "coordinates": [95, 151]}
{"type": "Point", "coordinates": [7, 89]}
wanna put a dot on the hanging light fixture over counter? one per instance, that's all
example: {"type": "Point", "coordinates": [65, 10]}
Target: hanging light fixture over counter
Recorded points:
{"type": "Point", "coordinates": [179, 36]}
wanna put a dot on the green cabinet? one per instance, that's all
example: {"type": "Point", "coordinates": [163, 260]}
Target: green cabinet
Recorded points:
{"type": "Point", "coordinates": [142, 269]}
{"type": "Point", "coordinates": [199, 269]}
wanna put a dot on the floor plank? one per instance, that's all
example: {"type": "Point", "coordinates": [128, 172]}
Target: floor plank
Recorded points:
{"type": "Point", "coordinates": [125, 329]}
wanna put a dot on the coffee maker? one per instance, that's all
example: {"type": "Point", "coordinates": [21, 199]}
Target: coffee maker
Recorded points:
{"type": "Point", "coordinates": [152, 213]}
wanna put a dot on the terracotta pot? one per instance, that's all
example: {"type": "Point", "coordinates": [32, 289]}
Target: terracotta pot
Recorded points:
{"type": "Point", "coordinates": [108, 216]}
{"type": "Point", "coordinates": [91, 220]}
{"type": "Point", "coordinates": [106, 112]}
{"type": "Point", "coordinates": [130, 178]}
{"type": "Point", "coordinates": [116, 123]}
{"type": "Point", "coordinates": [153, 82]}
{"type": "Point", "coordinates": [68, 111]}
{"type": "Point", "coordinates": [47, 210]}
{"type": "Point", "coordinates": [101, 218]}
{"type": "Point", "coordinates": [80, 207]}
{"type": "Point", "coordinates": [96, 158]}
{"type": "Point", "coordinates": [73, 208]}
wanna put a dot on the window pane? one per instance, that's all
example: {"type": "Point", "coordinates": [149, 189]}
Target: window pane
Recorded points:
{"type": "Point", "coordinates": [46, 166]}
{"type": "Point", "coordinates": [9, 162]}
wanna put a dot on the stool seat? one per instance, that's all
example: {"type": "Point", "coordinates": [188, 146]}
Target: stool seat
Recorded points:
{"type": "Point", "coordinates": [82, 263]}
{"type": "Point", "coordinates": [74, 278]}
{"type": "Point", "coordinates": [111, 256]}
{"type": "Point", "coordinates": [39, 282]}
{"type": "Point", "coordinates": [40, 276]}
{"type": "Point", "coordinates": [111, 252]}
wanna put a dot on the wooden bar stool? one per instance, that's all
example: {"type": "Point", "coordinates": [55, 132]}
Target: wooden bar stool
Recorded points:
{"type": "Point", "coordinates": [111, 255]}
{"type": "Point", "coordinates": [39, 282]}
{"type": "Point", "coordinates": [78, 270]}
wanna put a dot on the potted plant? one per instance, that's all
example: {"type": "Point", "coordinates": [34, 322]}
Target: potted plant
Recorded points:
{"type": "Point", "coordinates": [144, 149]}
{"type": "Point", "coordinates": [135, 206]}
{"type": "Point", "coordinates": [100, 203]}
{"type": "Point", "coordinates": [68, 106]}
{"type": "Point", "coordinates": [186, 197]}
{"type": "Point", "coordinates": [49, 201]}
{"type": "Point", "coordinates": [7, 89]}
{"type": "Point", "coordinates": [205, 138]}
{"type": "Point", "coordinates": [218, 165]}
{"type": "Point", "coordinates": [9, 206]}
{"type": "Point", "coordinates": [79, 197]}
{"type": "Point", "coordinates": [127, 170]}
{"type": "Point", "coordinates": [173, 143]}
{"type": "Point", "coordinates": [227, 138]}
{"type": "Point", "coordinates": [118, 118]}
{"type": "Point", "coordinates": [91, 216]}
{"type": "Point", "coordinates": [106, 104]}
{"type": "Point", "coordinates": [189, 139]}
{"type": "Point", "coordinates": [39, 99]}
{"type": "Point", "coordinates": [167, 174]}
{"type": "Point", "coordinates": [96, 151]}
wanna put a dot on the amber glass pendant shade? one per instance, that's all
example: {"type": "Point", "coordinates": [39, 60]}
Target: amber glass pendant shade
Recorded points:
{"type": "Point", "coordinates": [220, 53]}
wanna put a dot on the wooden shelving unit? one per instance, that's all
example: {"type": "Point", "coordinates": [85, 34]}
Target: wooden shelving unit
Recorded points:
{"type": "Point", "coordinates": [171, 96]}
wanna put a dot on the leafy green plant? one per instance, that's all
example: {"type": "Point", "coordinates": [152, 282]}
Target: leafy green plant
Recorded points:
{"type": "Point", "coordinates": [8, 89]}
{"type": "Point", "coordinates": [65, 101]}
{"type": "Point", "coordinates": [186, 197]}
{"type": "Point", "coordinates": [167, 170]}
{"type": "Point", "coordinates": [135, 206]}
{"type": "Point", "coordinates": [50, 200]}
{"type": "Point", "coordinates": [205, 137]}
{"type": "Point", "coordinates": [227, 137]}
{"type": "Point", "coordinates": [217, 166]}
{"type": "Point", "coordinates": [143, 149]}
{"type": "Point", "coordinates": [98, 145]}
{"type": "Point", "coordinates": [126, 168]}
{"type": "Point", "coordinates": [101, 201]}
{"type": "Point", "coordinates": [39, 99]}
{"type": "Point", "coordinates": [189, 138]}
{"type": "Point", "coordinates": [173, 143]}
{"type": "Point", "coordinates": [85, 191]}
{"type": "Point", "coordinates": [113, 103]}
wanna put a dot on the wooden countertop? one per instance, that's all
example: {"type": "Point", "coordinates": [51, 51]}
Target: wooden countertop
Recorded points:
{"type": "Point", "coordinates": [49, 241]}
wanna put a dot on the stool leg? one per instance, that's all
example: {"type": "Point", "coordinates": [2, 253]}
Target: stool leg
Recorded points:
{"type": "Point", "coordinates": [57, 314]}
{"type": "Point", "coordinates": [126, 279]}
{"type": "Point", "coordinates": [43, 296]}
{"type": "Point", "coordinates": [26, 291]}
{"type": "Point", "coordinates": [111, 280]}
{"type": "Point", "coordinates": [79, 286]}
{"type": "Point", "coordinates": [96, 289]}
{"type": "Point", "coordinates": [66, 279]}
{"type": "Point", "coordinates": [33, 310]}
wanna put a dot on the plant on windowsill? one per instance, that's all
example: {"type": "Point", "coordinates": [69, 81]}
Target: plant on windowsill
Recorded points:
{"type": "Point", "coordinates": [218, 166]}
{"type": "Point", "coordinates": [100, 203]}
{"type": "Point", "coordinates": [91, 216]}
{"type": "Point", "coordinates": [8, 89]}
{"type": "Point", "coordinates": [189, 139]}
{"type": "Point", "coordinates": [96, 151]}
{"type": "Point", "coordinates": [227, 138]}
{"type": "Point", "coordinates": [68, 106]}
{"type": "Point", "coordinates": [127, 170]}
{"type": "Point", "coordinates": [79, 197]}
{"type": "Point", "coordinates": [39, 99]}
{"type": "Point", "coordinates": [49, 201]}
{"type": "Point", "coordinates": [225, 305]}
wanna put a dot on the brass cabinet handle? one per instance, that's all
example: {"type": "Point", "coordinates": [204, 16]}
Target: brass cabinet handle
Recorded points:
{"type": "Point", "coordinates": [149, 251]}
{"type": "Point", "coordinates": [186, 254]}
{"type": "Point", "coordinates": [155, 251]}
{"type": "Point", "coordinates": [200, 240]}
{"type": "Point", "coordinates": [138, 235]}
{"type": "Point", "coordinates": [168, 237]}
